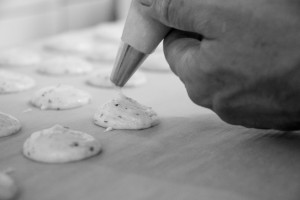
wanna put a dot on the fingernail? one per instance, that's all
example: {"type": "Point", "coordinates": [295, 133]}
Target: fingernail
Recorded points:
{"type": "Point", "coordinates": [146, 2]}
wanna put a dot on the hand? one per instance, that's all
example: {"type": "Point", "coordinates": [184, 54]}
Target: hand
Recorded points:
{"type": "Point", "coordinates": [240, 58]}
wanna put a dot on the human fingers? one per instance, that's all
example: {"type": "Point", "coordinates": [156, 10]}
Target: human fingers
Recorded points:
{"type": "Point", "coordinates": [181, 48]}
{"type": "Point", "coordinates": [183, 53]}
{"type": "Point", "coordinates": [188, 15]}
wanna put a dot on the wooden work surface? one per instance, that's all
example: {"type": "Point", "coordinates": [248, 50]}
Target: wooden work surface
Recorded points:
{"type": "Point", "coordinates": [190, 155]}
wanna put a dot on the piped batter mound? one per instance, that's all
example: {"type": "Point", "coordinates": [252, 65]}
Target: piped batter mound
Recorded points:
{"type": "Point", "coordinates": [104, 52]}
{"type": "Point", "coordinates": [60, 97]}
{"type": "Point", "coordinates": [8, 187]}
{"type": "Point", "coordinates": [20, 57]}
{"type": "Point", "coordinates": [60, 144]}
{"type": "Point", "coordinates": [125, 113]}
{"type": "Point", "coordinates": [101, 78]}
{"type": "Point", "coordinates": [70, 43]}
{"type": "Point", "coordinates": [111, 31]}
{"type": "Point", "coordinates": [83, 45]}
{"type": "Point", "coordinates": [64, 65]}
{"type": "Point", "coordinates": [11, 82]}
{"type": "Point", "coordinates": [8, 125]}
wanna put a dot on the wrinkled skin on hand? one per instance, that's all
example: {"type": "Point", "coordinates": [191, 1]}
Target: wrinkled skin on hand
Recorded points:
{"type": "Point", "coordinates": [246, 66]}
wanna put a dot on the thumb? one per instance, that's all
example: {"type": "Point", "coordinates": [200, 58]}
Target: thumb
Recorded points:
{"type": "Point", "coordinates": [186, 15]}
{"type": "Point", "coordinates": [181, 48]}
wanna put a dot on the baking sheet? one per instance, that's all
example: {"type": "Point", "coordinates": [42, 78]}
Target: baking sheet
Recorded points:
{"type": "Point", "coordinates": [191, 154]}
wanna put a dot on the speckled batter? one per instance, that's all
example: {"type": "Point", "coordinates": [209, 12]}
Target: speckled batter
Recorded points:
{"type": "Point", "coordinates": [125, 113]}
{"type": "Point", "coordinates": [60, 144]}
{"type": "Point", "coordinates": [8, 125]}
{"type": "Point", "coordinates": [60, 97]}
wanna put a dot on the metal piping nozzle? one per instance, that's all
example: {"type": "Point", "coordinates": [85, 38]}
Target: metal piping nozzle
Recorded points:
{"type": "Point", "coordinates": [127, 62]}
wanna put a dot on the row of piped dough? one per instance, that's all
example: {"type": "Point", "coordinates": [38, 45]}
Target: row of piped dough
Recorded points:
{"type": "Point", "coordinates": [96, 44]}
{"type": "Point", "coordinates": [60, 96]}
{"type": "Point", "coordinates": [11, 81]}
{"type": "Point", "coordinates": [62, 144]}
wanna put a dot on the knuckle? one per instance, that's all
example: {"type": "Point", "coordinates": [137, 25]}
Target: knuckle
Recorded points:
{"type": "Point", "coordinates": [166, 10]}
{"type": "Point", "coordinates": [199, 95]}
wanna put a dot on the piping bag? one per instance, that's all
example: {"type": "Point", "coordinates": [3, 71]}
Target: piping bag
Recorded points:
{"type": "Point", "coordinates": [141, 35]}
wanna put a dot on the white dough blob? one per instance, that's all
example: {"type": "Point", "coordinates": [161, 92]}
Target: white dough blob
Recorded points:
{"type": "Point", "coordinates": [70, 41]}
{"type": "Point", "coordinates": [110, 31]}
{"type": "Point", "coordinates": [101, 78]}
{"type": "Point", "coordinates": [125, 113]}
{"type": "Point", "coordinates": [60, 144]}
{"type": "Point", "coordinates": [8, 187]}
{"type": "Point", "coordinates": [19, 57]}
{"type": "Point", "coordinates": [104, 52]}
{"type": "Point", "coordinates": [64, 65]}
{"type": "Point", "coordinates": [8, 125]}
{"type": "Point", "coordinates": [14, 82]}
{"type": "Point", "coordinates": [71, 44]}
{"type": "Point", "coordinates": [60, 97]}
{"type": "Point", "coordinates": [85, 46]}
